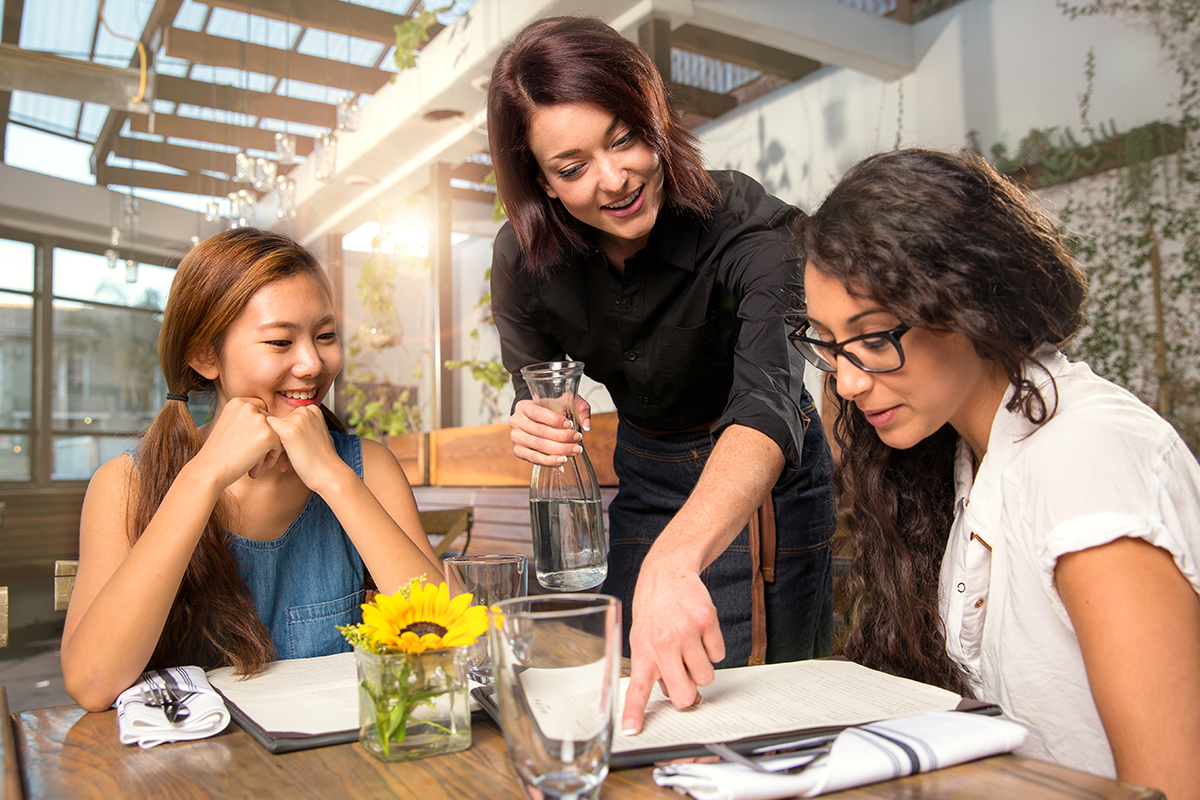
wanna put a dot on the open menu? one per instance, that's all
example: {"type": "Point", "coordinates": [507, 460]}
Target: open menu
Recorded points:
{"type": "Point", "coordinates": [756, 706]}
{"type": "Point", "coordinates": [296, 704]}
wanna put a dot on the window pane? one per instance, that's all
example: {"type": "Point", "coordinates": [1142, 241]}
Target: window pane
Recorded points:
{"type": "Point", "coordinates": [14, 457]}
{"type": "Point", "coordinates": [77, 457]}
{"type": "Point", "coordinates": [106, 375]}
{"type": "Point", "coordinates": [17, 258]}
{"type": "Point", "coordinates": [86, 276]}
{"type": "Point", "coordinates": [16, 360]}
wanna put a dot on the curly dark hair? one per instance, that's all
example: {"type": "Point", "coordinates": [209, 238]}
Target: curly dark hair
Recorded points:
{"type": "Point", "coordinates": [581, 60]}
{"type": "Point", "coordinates": [943, 242]}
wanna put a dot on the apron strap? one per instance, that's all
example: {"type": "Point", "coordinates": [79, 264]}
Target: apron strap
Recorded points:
{"type": "Point", "coordinates": [762, 567]}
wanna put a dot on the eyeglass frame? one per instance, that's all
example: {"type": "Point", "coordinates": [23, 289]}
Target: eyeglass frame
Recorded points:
{"type": "Point", "coordinates": [839, 348]}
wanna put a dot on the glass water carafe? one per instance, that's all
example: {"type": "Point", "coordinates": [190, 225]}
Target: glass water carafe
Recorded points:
{"type": "Point", "coordinates": [564, 500]}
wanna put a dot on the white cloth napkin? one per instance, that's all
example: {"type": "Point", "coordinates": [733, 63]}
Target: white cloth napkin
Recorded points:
{"type": "Point", "coordinates": [148, 726]}
{"type": "Point", "coordinates": [865, 754]}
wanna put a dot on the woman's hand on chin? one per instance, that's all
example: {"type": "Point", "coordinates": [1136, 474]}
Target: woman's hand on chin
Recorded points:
{"type": "Point", "coordinates": [308, 447]}
{"type": "Point", "coordinates": [240, 441]}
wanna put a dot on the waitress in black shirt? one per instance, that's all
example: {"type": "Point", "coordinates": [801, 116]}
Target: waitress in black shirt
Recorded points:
{"type": "Point", "coordinates": [671, 284]}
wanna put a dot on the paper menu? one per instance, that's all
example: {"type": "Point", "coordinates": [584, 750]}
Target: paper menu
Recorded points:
{"type": "Point", "coordinates": [775, 698]}
{"type": "Point", "coordinates": [310, 696]}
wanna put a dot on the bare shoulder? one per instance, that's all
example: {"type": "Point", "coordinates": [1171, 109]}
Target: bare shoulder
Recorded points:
{"type": "Point", "coordinates": [380, 464]}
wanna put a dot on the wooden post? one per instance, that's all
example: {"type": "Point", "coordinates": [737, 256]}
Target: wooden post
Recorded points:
{"type": "Point", "coordinates": [441, 268]}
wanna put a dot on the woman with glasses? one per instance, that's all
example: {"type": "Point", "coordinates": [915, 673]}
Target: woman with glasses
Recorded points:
{"type": "Point", "coordinates": [671, 284]}
{"type": "Point", "coordinates": [1023, 530]}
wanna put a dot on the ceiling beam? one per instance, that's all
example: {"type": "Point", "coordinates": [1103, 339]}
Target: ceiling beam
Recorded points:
{"type": "Point", "coordinates": [218, 51]}
{"type": "Point", "coordinates": [365, 23]}
{"type": "Point", "coordinates": [258, 104]}
{"type": "Point", "coordinates": [145, 179]}
{"type": "Point", "coordinates": [743, 52]}
{"type": "Point", "coordinates": [192, 159]}
{"type": "Point", "coordinates": [199, 130]}
{"type": "Point", "coordinates": [694, 100]}
{"type": "Point", "coordinates": [160, 17]}
{"type": "Point", "coordinates": [10, 33]}
{"type": "Point", "coordinates": [71, 78]}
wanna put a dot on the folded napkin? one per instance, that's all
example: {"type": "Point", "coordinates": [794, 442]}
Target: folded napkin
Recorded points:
{"type": "Point", "coordinates": [148, 726]}
{"type": "Point", "coordinates": [865, 754]}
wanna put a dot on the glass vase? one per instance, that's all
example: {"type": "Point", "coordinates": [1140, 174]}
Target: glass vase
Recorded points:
{"type": "Point", "coordinates": [412, 705]}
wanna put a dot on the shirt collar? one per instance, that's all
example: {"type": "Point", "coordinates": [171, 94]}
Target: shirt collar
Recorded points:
{"type": "Point", "coordinates": [674, 238]}
{"type": "Point", "coordinates": [1009, 428]}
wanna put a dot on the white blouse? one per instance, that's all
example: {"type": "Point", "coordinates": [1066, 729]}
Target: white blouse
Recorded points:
{"type": "Point", "coordinates": [1104, 466]}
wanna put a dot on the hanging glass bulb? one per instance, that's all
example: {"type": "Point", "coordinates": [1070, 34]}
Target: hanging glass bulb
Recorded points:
{"type": "Point", "coordinates": [131, 271]}
{"type": "Point", "coordinates": [264, 174]}
{"type": "Point", "coordinates": [243, 168]}
{"type": "Point", "coordinates": [115, 236]}
{"type": "Point", "coordinates": [129, 212]}
{"type": "Point", "coordinates": [235, 208]}
{"type": "Point", "coordinates": [195, 240]}
{"type": "Point", "coordinates": [248, 202]}
{"type": "Point", "coordinates": [110, 256]}
{"type": "Point", "coordinates": [347, 113]}
{"type": "Point", "coordinates": [285, 197]}
{"type": "Point", "coordinates": [212, 211]}
{"type": "Point", "coordinates": [325, 157]}
{"type": "Point", "coordinates": [285, 149]}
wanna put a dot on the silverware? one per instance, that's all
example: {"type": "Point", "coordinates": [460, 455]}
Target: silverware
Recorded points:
{"type": "Point", "coordinates": [174, 708]}
{"type": "Point", "coordinates": [776, 765]}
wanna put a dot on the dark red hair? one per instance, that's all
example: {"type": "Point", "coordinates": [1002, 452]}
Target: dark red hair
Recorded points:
{"type": "Point", "coordinates": [581, 60]}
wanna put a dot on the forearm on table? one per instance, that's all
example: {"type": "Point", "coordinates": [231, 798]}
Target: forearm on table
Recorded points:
{"type": "Point", "coordinates": [742, 469]}
{"type": "Point", "coordinates": [122, 597]}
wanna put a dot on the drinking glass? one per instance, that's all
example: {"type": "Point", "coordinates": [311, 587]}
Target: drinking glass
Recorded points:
{"type": "Point", "coordinates": [557, 663]}
{"type": "Point", "coordinates": [490, 578]}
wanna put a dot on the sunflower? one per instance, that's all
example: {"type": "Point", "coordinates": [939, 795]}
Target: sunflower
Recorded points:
{"type": "Point", "coordinates": [417, 618]}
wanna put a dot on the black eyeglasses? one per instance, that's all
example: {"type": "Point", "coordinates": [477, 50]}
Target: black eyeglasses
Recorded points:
{"type": "Point", "coordinates": [871, 352]}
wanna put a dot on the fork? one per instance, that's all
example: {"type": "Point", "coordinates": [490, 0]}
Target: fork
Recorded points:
{"type": "Point", "coordinates": [729, 754]}
{"type": "Point", "coordinates": [165, 699]}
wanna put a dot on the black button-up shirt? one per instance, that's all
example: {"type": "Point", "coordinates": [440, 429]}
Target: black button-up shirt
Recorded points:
{"type": "Point", "coordinates": [692, 332]}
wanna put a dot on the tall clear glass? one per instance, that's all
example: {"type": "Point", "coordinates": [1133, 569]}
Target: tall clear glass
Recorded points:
{"type": "Point", "coordinates": [565, 510]}
{"type": "Point", "coordinates": [557, 667]}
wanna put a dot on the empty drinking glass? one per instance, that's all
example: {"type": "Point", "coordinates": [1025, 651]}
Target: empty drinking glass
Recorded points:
{"type": "Point", "coordinates": [557, 664]}
{"type": "Point", "coordinates": [490, 579]}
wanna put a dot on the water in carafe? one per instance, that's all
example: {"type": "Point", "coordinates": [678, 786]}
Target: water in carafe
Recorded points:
{"type": "Point", "coordinates": [565, 511]}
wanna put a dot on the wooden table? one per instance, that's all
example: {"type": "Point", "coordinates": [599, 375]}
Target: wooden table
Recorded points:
{"type": "Point", "coordinates": [65, 752]}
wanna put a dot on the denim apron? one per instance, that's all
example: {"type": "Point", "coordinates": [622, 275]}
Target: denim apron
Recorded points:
{"type": "Point", "coordinates": [656, 475]}
{"type": "Point", "coordinates": [310, 579]}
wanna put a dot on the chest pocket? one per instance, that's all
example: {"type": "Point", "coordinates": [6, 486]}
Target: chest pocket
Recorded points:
{"type": "Point", "coordinates": [689, 357]}
{"type": "Point", "coordinates": [312, 629]}
{"type": "Point", "coordinates": [975, 587]}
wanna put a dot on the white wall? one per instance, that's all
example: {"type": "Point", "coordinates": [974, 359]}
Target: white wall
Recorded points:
{"type": "Point", "coordinates": [998, 67]}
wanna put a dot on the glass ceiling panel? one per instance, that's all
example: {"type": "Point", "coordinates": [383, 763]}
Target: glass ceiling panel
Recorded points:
{"type": "Point", "coordinates": [91, 121]}
{"type": "Point", "coordinates": [191, 16]}
{"type": "Point", "coordinates": [335, 46]}
{"type": "Point", "coordinates": [226, 76]}
{"type": "Point", "coordinates": [42, 28]}
{"type": "Point", "coordinates": [129, 133]}
{"type": "Point", "coordinates": [312, 91]}
{"type": "Point", "coordinates": [249, 27]}
{"type": "Point", "coordinates": [166, 65]}
{"type": "Point", "coordinates": [121, 162]}
{"type": "Point", "coordinates": [126, 18]}
{"type": "Point", "coordinates": [48, 154]}
{"type": "Point", "coordinates": [298, 128]}
{"type": "Point", "coordinates": [216, 115]}
{"type": "Point", "coordinates": [50, 113]}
